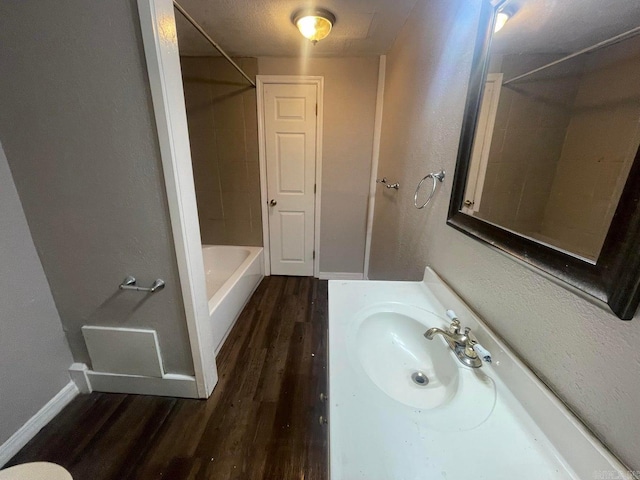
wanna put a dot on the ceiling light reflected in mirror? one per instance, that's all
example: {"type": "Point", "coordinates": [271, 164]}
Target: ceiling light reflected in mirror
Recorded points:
{"type": "Point", "coordinates": [501, 19]}
{"type": "Point", "coordinates": [550, 157]}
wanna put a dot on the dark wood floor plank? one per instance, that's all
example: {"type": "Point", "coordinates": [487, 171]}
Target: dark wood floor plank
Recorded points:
{"type": "Point", "coordinates": [293, 417]}
{"type": "Point", "coordinates": [47, 442]}
{"type": "Point", "coordinates": [122, 443]}
{"type": "Point", "coordinates": [171, 455]}
{"type": "Point", "coordinates": [67, 436]}
{"type": "Point", "coordinates": [261, 422]}
{"type": "Point", "coordinates": [261, 441]}
{"type": "Point", "coordinates": [268, 389]}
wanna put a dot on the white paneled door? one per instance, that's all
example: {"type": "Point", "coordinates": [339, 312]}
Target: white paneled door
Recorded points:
{"type": "Point", "coordinates": [290, 127]}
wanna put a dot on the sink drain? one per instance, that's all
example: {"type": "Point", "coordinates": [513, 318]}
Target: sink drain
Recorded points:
{"type": "Point", "coordinates": [420, 379]}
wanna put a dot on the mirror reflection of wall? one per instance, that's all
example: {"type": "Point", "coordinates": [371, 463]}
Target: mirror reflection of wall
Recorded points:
{"type": "Point", "coordinates": [553, 149]}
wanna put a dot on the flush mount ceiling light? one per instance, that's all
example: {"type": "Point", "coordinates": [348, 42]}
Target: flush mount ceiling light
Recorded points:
{"type": "Point", "coordinates": [314, 23]}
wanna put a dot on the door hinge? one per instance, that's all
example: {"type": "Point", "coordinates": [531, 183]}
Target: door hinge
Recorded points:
{"type": "Point", "coordinates": [316, 109]}
{"type": "Point", "coordinates": [315, 188]}
{"type": "Point", "coordinates": [314, 254]}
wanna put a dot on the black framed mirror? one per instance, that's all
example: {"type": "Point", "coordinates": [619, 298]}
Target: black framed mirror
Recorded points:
{"type": "Point", "coordinates": [548, 166]}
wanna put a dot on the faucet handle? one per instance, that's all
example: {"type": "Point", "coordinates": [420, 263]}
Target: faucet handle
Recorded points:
{"type": "Point", "coordinates": [472, 338]}
{"type": "Point", "coordinates": [482, 352]}
{"type": "Point", "coordinates": [455, 326]}
{"type": "Point", "coordinates": [455, 323]}
{"type": "Point", "coordinates": [452, 315]}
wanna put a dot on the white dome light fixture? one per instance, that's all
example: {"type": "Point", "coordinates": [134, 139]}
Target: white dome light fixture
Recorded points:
{"type": "Point", "coordinates": [314, 23]}
{"type": "Point", "coordinates": [501, 19]}
{"type": "Point", "coordinates": [505, 14]}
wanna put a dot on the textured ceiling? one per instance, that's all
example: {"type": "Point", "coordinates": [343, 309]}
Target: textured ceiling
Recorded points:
{"type": "Point", "coordinates": [564, 26]}
{"type": "Point", "coordinates": [369, 27]}
{"type": "Point", "coordinates": [264, 28]}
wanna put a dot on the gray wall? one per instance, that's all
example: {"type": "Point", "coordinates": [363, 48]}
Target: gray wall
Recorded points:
{"type": "Point", "coordinates": [587, 355]}
{"type": "Point", "coordinates": [350, 86]}
{"type": "Point", "coordinates": [223, 133]}
{"type": "Point", "coordinates": [34, 355]}
{"type": "Point", "coordinates": [78, 130]}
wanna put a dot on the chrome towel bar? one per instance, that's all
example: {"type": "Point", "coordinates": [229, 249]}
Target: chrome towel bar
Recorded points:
{"type": "Point", "coordinates": [384, 181]}
{"type": "Point", "coordinates": [129, 283]}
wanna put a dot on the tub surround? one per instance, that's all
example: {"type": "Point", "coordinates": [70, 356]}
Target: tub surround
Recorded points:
{"type": "Point", "coordinates": [498, 421]}
{"type": "Point", "coordinates": [223, 135]}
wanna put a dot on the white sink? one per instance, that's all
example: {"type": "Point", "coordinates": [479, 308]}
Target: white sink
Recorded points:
{"type": "Point", "coordinates": [391, 349]}
{"type": "Point", "coordinates": [383, 426]}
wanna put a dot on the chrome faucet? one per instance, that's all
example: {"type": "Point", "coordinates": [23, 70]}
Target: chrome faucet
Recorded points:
{"type": "Point", "coordinates": [465, 345]}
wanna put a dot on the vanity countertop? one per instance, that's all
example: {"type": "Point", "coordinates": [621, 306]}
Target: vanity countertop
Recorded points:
{"type": "Point", "coordinates": [495, 422]}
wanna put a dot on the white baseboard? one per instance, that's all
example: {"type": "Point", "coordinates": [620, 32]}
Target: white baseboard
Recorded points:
{"type": "Point", "coordinates": [340, 276]}
{"type": "Point", "coordinates": [54, 406]}
{"type": "Point", "coordinates": [169, 385]}
{"type": "Point", "coordinates": [78, 374]}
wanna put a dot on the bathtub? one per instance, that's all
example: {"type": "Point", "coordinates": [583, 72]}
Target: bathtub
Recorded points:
{"type": "Point", "coordinates": [232, 275]}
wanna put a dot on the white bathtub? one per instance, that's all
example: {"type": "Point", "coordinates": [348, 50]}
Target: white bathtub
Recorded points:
{"type": "Point", "coordinates": [232, 275]}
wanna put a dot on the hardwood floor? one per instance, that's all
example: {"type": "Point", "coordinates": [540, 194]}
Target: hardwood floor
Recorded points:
{"type": "Point", "coordinates": [260, 423]}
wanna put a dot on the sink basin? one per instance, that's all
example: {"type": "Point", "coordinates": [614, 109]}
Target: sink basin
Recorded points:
{"type": "Point", "coordinates": [402, 363]}
{"type": "Point", "coordinates": [494, 422]}
{"type": "Point", "coordinates": [422, 374]}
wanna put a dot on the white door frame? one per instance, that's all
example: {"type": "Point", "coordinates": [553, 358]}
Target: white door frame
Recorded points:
{"type": "Point", "coordinates": [482, 142]}
{"type": "Point", "coordinates": [261, 81]}
{"type": "Point", "coordinates": [158, 25]}
{"type": "Point", "coordinates": [375, 160]}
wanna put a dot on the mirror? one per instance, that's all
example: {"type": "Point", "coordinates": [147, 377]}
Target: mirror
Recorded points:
{"type": "Point", "coordinates": [547, 166]}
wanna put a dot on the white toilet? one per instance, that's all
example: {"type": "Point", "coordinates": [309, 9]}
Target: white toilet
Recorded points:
{"type": "Point", "coordinates": [35, 471]}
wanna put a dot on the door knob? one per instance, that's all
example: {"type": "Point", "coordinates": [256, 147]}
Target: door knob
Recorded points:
{"type": "Point", "coordinates": [273, 203]}
{"type": "Point", "coordinates": [468, 203]}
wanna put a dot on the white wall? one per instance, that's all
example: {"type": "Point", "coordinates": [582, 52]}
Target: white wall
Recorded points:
{"type": "Point", "coordinates": [350, 86]}
{"type": "Point", "coordinates": [78, 129]}
{"type": "Point", "coordinates": [34, 355]}
{"type": "Point", "coordinates": [587, 355]}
